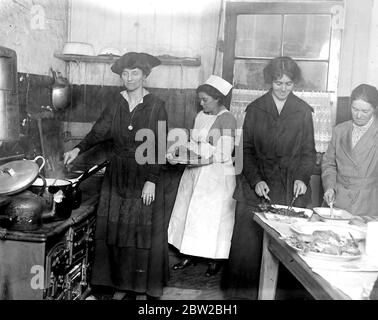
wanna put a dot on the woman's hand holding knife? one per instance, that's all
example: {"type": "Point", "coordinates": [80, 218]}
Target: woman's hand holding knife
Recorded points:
{"type": "Point", "coordinates": [262, 190]}
{"type": "Point", "coordinates": [329, 197]}
{"type": "Point", "coordinates": [299, 188]}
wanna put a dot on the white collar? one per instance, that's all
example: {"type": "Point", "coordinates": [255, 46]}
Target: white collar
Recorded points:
{"type": "Point", "coordinates": [218, 114]}
{"type": "Point", "coordinates": [365, 127]}
{"type": "Point", "coordinates": [126, 96]}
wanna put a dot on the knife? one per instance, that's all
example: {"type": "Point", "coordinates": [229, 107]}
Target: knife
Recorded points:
{"type": "Point", "coordinates": [331, 209]}
{"type": "Point", "coordinates": [292, 202]}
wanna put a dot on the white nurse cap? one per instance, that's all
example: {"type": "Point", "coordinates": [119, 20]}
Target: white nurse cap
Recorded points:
{"type": "Point", "coordinates": [220, 84]}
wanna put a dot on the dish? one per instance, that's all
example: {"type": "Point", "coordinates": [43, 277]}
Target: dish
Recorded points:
{"type": "Point", "coordinates": [286, 218]}
{"type": "Point", "coordinates": [109, 51]}
{"type": "Point", "coordinates": [324, 256]}
{"type": "Point", "coordinates": [78, 48]}
{"type": "Point", "coordinates": [339, 215]}
{"type": "Point", "coordinates": [305, 230]}
{"type": "Point", "coordinates": [183, 160]}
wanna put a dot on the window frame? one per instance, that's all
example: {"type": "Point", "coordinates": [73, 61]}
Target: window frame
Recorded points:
{"type": "Point", "coordinates": [234, 9]}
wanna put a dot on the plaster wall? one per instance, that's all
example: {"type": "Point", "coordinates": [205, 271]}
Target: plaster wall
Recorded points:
{"type": "Point", "coordinates": [35, 29]}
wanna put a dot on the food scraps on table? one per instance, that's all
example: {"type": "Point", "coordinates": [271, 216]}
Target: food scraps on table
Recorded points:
{"type": "Point", "coordinates": [326, 242]}
{"type": "Point", "coordinates": [268, 208]}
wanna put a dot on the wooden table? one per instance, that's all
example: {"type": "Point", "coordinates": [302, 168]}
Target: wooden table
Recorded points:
{"type": "Point", "coordinates": [276, 251]}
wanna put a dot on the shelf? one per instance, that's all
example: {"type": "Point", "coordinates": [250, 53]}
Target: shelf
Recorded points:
{"type": "Point", "coordinates": [165, 59]}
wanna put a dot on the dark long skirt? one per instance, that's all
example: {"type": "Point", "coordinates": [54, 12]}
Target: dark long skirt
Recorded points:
{"type": "Point", "coordinates": [138, 260]}
{"type": "Point", "coordinates": [241, 274]}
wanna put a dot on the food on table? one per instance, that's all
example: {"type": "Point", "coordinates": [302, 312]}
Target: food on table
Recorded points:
{"type": "Point", "coordinates": [326, 242]}
{"type": "Point", "coordinates": [268, 208]}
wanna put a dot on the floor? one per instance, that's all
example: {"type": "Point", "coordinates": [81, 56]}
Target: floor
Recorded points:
{"type": "Point", "coordinates": [191, 283]}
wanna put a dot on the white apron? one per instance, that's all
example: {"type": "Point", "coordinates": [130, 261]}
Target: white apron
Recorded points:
{"type": "Point", "coordinates": [203, 216]}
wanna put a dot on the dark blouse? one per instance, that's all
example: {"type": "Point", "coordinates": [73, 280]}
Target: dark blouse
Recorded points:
{"type": "Point", "coordinates": [277, 148]}
{"type": "Point", "coordinates": [113, 125]}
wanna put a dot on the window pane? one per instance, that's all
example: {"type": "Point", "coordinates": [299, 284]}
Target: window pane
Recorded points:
{"type": "Point", "coordinates": [248, 74]}
{"type": "Point", "coordinates": [314, 76]}
{"type": "Point", "coordinates": [258, 35]}
{"type": "Point", "coordinates": [307, 36]}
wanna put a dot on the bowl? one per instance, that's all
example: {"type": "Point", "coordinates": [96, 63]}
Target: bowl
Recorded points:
{"type": "Point", "coordinates": [109, 51]}
{"type": "Point", "coordinates": [78, 48]}
{"type": "Point", "coordinates": [304, 231]}
{"type": "Point", "coordinates": [339, 215]}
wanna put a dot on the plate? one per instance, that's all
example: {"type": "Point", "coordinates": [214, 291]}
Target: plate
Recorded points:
{"type": "Point", "coordinates": [305, 230]}
{"type": "Point", "coordinates": [183, 159]}
{"type": "Point", "coordinates": [287, 219]}
{"type": "Point", "coordinates": [330, 257]}
{"type": "Point", "coordinates": [324, 256]}
{"type": "Point", "coordinates": [339, 215]}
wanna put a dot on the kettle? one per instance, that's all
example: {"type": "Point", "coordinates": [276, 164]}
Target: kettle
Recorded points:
{"type": "Point", "coordinates": [61, 91]}
{"type": "Point", "coordinates": [24, 213]}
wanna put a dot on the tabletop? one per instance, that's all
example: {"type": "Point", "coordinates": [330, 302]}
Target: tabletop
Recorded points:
{"type": "Point", "coordinates": [324, 281]}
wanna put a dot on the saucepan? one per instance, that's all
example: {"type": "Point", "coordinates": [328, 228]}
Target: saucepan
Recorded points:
{"type": "Point", "coordinates": [45, 199]}
{"type": "Point", "coordinates": [65, 193]}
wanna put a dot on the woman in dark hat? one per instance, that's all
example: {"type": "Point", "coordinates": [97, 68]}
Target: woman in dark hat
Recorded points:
{"type": "Point", "coordinates": [131, 250]}
{"type": "Point", "coordinates": [278, 159]}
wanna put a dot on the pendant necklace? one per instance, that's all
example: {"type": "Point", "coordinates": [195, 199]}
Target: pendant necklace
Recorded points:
{"type": "Point", "coordinates": [130, 127]}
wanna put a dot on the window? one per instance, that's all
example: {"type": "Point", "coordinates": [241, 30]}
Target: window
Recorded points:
{"type": "Point", "coordinates": [257, 32]}
{"type": "Point", "coordinates": [309, 32]}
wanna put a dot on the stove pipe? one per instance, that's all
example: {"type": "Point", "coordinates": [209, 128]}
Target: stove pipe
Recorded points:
{"type": "Point", "coordinates": [9, 108]}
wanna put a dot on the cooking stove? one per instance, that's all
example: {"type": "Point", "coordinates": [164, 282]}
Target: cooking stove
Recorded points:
{"type": "Point", "coordinates": [69, 261]}
{"type": "Point", "coordinates": [52, 262]}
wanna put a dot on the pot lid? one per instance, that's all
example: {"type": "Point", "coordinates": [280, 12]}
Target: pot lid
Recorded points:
{"type": "Point", "coordinates": [18, 175]}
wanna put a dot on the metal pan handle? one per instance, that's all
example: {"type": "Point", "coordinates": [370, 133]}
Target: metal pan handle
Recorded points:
{"type": "Point", "coordinates": [88, 173]}
{"type": "Point", "coordinates": [43, 162]}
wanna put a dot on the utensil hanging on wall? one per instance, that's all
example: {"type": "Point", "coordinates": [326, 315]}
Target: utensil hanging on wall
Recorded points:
{"type": "Point", "coordinates": [61, 91]}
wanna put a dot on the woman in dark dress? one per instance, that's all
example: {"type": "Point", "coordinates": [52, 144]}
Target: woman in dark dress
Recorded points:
{"type": "Point", "coordinates": [131, 250]}
{"type": "Point", "coordinates": [278, 159]}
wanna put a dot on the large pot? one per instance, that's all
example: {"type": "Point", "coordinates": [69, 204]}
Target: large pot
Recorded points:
{"type": "Point", "coordinates": [64, 194]}
{"type": "Point", "coordinates": [18, 175]}
{"type": "Point", "coordinates": [45, 199]}
{"type": "Point", "coordinates": [20, 208]}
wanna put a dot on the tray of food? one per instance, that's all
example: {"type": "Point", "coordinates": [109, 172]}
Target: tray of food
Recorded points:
{"type": "Point", "coordinates": [335, 215]}
{"type": "Point", "coordinates": [305, 231]}
{"type": "Point", "coordinates": [326, 245]}
{"type": "Point", "coordinates": [183, 155]}
{"type": "Point", "coordinates": [285, 214]}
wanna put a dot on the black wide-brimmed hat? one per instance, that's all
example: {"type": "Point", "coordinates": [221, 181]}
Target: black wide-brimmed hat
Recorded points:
{"type": "Point", "coordinates": [132, 60]}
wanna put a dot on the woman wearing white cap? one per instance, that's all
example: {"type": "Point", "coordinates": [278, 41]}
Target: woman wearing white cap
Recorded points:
{"type": "Point", "coordinates": [202, 219]}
